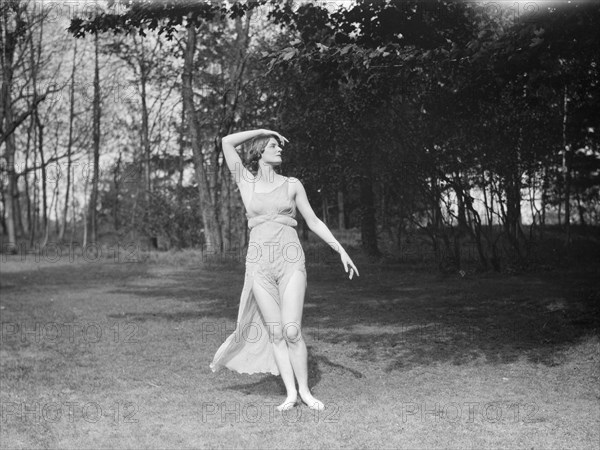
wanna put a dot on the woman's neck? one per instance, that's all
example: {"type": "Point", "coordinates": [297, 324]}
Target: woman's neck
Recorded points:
{"type": "Point", "coordinates": [266, 174]}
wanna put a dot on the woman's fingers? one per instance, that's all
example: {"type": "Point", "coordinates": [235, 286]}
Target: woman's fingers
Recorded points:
{"type": "Point", "coordinates": [353, 267]}
{"type": "Point", "coordinates": [283, 139]}
{"type": "Point", "coordinates": [348, 263]}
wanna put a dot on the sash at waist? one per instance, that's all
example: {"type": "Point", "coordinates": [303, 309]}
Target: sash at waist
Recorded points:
{"type": "Point", "coordinates": [279, 218]}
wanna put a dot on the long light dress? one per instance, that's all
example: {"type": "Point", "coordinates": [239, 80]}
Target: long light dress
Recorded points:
{"type": "Point", "coordinates": [274, 254]}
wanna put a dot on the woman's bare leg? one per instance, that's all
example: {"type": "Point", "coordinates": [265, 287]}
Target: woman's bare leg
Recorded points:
{"type": "Point", "coordinates": [271, 312]}
{"type": "Point", "coordinates": [292, 305]}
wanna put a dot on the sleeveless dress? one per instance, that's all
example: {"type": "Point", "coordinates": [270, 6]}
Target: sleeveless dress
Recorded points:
{"type": "Point", "coordinates": [274, 254]}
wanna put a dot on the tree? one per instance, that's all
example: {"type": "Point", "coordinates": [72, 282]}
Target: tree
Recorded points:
{"type": "Point", "coordinates": [17, 29]}
{"type": "Point", "coordinates": [167, 18]}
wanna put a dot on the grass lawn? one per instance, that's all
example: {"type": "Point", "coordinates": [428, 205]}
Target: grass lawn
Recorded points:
{"type": "Point", "coordinates": [116, 355]}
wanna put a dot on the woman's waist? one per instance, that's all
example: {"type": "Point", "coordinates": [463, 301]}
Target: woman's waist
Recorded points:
{"type": "Point", "coordinates": [281, 219]}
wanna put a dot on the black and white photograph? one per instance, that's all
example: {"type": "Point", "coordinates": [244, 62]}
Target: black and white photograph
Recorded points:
{"type": "Point", "coordinates": [304, 224]}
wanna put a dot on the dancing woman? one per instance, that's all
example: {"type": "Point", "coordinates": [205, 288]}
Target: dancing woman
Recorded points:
{"type": "Point", "coordinates": [267, 337]}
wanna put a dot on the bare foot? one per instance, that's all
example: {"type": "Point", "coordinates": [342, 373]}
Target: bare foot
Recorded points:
{"type": "Point", "coordinates": [312, 402]}
{"type": "Point", "coordinates": [289, 403]}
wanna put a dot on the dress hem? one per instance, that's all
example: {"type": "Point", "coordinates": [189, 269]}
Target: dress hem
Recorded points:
{"type": "Point", "coordinates": [219, 368]}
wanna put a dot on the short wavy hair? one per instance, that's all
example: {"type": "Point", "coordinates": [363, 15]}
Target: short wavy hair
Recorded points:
{"type": "Point", "coordinates": [256, 148]}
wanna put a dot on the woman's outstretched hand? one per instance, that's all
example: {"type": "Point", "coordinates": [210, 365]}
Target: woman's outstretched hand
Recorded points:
{"type": "Point", "coordinates": [346, 261]}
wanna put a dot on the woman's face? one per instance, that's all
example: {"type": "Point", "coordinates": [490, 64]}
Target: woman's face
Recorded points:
{"type": "Point", "coordinates": [272, 153]}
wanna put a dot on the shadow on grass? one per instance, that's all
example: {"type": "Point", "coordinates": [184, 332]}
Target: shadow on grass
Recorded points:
{"type": "Point", "coordinates": [273, 384]}
{"type": "Point", "coordinates": [393, 317]}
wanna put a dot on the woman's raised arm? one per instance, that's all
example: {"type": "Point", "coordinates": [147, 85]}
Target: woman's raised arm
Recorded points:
{"type": "Point", "coordinates": [233, 160]}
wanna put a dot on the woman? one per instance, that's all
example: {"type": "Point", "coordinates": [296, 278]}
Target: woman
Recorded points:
{"type": "Point", "coordinates": [267, 337]}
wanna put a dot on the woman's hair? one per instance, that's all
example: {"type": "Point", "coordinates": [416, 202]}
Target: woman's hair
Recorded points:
{"type": "Point", "coordinates": [256, 149]}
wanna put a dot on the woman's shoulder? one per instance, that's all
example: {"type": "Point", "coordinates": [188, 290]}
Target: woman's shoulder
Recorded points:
{"type": "Point", "coordinates": [296, 186]}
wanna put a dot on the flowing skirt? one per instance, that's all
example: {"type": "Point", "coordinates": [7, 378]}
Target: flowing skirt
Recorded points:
{"type": "Point", "coordinates": [274, 254]}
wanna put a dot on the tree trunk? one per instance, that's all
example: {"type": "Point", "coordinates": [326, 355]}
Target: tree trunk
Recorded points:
{"type": "Point", "coordinates": [341, 213]}
{"type": "Point", "coordinates": [47, 228]}
{"type": "Point", "coordinates": [26, 179]}
{"type": "Point", "coordinates": [85, 214]}
{"type": "Point", "coordinates": [6, 123]}
{"type": "Point", "coordinates": [383, 214]}
{"type": "Point", "coordinates": [44, 176]}
{"type": "Point", "coordinates": [461, 198]}
{"type": "Point", "coordinates": [63, 225]}
{"type": "Point", "coordinates": [512, 217]}
{"type": "Point", "coordinates": [41, 127]}
{"type": "Point", "coordinates": [436, 217]}
{"type": "Point", "coordinates": [492, 210]}
{"type": "Point", "coordinates": [367, 223]}
{"type": "Point", "coordinates": [212, 231]}
{"type": "Point", "coordinates": [230, 219]}
{"type": "Point", "coordinates": [3, 217]}
{"type": "Point", "coordinates": [116, 181]}
{"type": "Point", "coordinates": [567, 162]}
{"type": "Point", "coordinates": [145, 129]}
{"type": "Point", "coordinates": [93, 218]}
{"type": "Point", "coordinates": [17, 203]}
{"type": "Point", "coordinates": [35, 202]}
{"type": "Point", "coordinates": [73, 218]}
{"type": "Point", "coordinates": [145, 138]}
{"type": "Point", "coordinates": [545, 187]}
{"type": "Point", "coordinates": [181, 224]}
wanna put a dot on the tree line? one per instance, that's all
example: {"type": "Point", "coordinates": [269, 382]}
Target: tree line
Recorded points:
{"type": "Point", "coordinates": [451, 119]}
